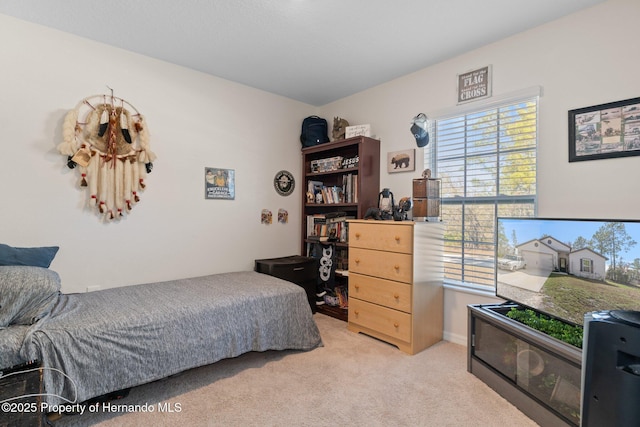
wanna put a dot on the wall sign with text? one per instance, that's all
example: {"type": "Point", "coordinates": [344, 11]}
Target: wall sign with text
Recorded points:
{"type": "Point", "coordinates": [474, 85]}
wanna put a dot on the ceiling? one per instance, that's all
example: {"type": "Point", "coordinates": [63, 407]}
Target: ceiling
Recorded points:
{"type": "Point", "coordinates": [314, 51]}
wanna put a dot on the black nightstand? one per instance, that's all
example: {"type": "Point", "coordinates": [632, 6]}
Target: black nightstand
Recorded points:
{"type": "Point", "coordinates": [301, 270]}
{"type": "Point", "coordinates": [24, 383]}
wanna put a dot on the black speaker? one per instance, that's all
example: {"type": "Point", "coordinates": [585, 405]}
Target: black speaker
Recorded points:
{"type": "Point", "coordinates": [611, 369]}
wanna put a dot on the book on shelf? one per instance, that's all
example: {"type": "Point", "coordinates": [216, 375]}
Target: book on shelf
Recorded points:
{"type": "Point", "coordinates": [346, 184]}
{"type": "Point", "coordinates": [349, 183]}
{"type": "Point", "coordinates": [343, 297]}
{"type": "Point", "coordinates": [345, 193]}
{"type": "Point", "coordinates": [355, 191]}
{"type": "Point", "coordinates": [318, 238]}
{"type": "Point", "coordinates": [335, 217]}
{"type": "Point", "coordinates": [315, 224]}
{"type": "Point", "coordinates": [332, 194]}
{"type": "Point", "coordinates": [342, 261]}
{"type": "Point", "coordinates": [329, 227]}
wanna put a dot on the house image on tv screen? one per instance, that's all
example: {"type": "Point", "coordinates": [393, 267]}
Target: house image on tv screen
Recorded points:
{"type": "Point", "coordinates": [548, 254]}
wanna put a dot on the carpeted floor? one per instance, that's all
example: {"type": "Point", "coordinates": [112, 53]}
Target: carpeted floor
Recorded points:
{"type": "Point", "coordinates": [354, 380]}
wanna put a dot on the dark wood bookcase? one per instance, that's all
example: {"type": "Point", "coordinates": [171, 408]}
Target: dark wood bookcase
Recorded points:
{"type": "Point", "coordinates": [364, 178]}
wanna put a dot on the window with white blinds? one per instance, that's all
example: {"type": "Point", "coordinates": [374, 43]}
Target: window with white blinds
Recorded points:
{"type": "Point", "coordinates": [486, 160]}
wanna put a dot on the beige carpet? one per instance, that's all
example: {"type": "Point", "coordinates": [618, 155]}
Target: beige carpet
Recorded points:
{"type": "Point", "coordinates": [354, 380]}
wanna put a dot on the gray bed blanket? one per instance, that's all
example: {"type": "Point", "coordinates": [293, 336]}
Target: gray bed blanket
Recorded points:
{"type": "Point", "coordinates": [117, 338]}
{"type": "Point", "coordinates": [10, 343]}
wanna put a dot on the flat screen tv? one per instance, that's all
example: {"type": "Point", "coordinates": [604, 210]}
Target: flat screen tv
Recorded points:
{"type": "Point", "coordinates": [568, 267]}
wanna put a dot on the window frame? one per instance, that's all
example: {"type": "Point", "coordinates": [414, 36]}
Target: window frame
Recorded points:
{"type": "Point", "coordinates": [430, 156]}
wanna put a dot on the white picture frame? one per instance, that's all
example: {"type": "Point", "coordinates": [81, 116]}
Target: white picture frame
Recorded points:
{"type": "Point", "coordinates": [357, 130]}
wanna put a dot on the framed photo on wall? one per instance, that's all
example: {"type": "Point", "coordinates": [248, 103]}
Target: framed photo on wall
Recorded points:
{"type": "Point", "coordinates": [605, 131]}
{"type": "Point", "coordinates": [219, 183]}
{"type": "Point", "coordinates": [401, 161]}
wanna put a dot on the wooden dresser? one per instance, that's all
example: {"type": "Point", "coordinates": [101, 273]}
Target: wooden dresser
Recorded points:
{"type": "Point", "coordinates": [395, 282]}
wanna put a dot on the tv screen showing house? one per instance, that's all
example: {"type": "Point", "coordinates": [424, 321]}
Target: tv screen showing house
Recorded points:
{"type": "Point", "coordinates": [569, 267]}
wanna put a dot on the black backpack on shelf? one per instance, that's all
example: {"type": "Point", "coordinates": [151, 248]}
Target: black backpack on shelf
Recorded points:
{"type": "Point", "coordinates": [314, 131]}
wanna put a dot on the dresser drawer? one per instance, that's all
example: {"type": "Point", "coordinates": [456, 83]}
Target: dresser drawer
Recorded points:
{"type": "Point", "coordinates": [391, 294]}
{"type": "Point", "coordinates": [384, 320]}
{"type": "Point", "coordinates": [391, 236]}
{"type": "Point", "coordinates": [386, 265]}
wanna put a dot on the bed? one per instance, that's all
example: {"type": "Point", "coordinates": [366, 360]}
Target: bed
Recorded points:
{"type": "Point", "coordinates": [91, 344]}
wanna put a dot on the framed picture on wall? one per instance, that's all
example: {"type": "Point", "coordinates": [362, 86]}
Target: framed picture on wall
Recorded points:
{"type": "Point", "coordinates": [401, 161]}
{"type": "Point", "coordinates": [219, 183]}
{"type": "Point", "coordinates": [605, 131]}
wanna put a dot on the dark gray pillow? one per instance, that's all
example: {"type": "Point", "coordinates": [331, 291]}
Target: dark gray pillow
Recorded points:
{"type": "Point", "coordinates": [36, 257]}
{"type": "Point", "coordinates": [26, 294]}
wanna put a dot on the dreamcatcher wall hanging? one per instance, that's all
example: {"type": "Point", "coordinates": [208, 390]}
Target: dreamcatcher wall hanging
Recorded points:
{"type": "Point", "coordinates": [107, 140]}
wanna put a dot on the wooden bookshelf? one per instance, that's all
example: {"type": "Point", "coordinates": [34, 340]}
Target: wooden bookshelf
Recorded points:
{"type": "Point", "coordinates": [347, 174]}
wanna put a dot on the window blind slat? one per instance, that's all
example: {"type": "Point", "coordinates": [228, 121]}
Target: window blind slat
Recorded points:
{"type": "Point", "coordinates": [486, 160]}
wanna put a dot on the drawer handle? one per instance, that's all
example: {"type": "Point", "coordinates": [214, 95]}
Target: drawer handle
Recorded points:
{"type": "Point", "coordinates": [396, 325]}
{"type": "Point", "coordinates": [356, 312]}
{"type": "Point", "coordinates": [397, 238]}
{"type": "Point", "coordinates": [396, 296]}
{"type": "Point", "coordinates": [357, 235]}
{"type": "Point", "coordinates": [357, 260]}
{"type": "Point", "coordinates": [396, 267]}
{"type": "Point", "coordinates": [356, 286]}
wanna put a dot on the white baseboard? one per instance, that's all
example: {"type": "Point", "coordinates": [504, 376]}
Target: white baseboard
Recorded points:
{"type": "Point", "coordinates": [455, 338]}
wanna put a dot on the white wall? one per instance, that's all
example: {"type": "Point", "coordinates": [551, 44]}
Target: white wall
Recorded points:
{"type": "Point", "coordinates": [581, 60]}
{"type": "Point", "coordinates": [195, 121]}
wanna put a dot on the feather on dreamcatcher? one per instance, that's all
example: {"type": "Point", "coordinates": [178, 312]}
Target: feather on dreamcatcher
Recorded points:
{"type": "Point", "coordinates": [108, 140]}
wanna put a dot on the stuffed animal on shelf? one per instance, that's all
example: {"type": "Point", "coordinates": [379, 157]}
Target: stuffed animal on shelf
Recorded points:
{"type": "Point", "coordinates": [339, 128]}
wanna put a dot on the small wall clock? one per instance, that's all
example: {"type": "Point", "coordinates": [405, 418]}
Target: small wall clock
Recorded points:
{"type": "Point", "coordinates": [284, 183]}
